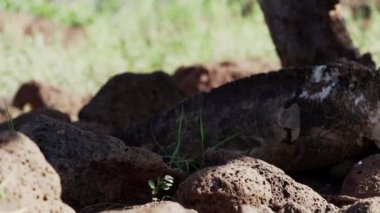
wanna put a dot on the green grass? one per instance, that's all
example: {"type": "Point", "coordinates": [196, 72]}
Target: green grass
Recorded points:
{"type": "Point", "coordinates": [10, 121]}
{"type": "Point", "coordinates": [186, 162]}
{"type": "Point", "coordinates": [367, 40]}
{"type": "Point", "coordinates": [140, 36]}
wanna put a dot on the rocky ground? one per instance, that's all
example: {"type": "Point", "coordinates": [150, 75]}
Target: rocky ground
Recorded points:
{"type": "Point", "coordinates": [296, 140]}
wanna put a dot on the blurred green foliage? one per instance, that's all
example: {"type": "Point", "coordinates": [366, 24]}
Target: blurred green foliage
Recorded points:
{"type": "Point", "coordinates": [80, 13]}
{"type": "Point", "coordinates": [133, 35]}
{"type": "Point", "coordinates": [140, 36]}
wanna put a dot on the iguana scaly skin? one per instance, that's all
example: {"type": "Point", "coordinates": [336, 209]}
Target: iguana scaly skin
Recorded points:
{"type": "Point", "coordinates": [297, 118]}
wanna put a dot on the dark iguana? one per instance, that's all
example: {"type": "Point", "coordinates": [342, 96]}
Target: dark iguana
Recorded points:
{"type": "Point", "coordinates": [297, 118]}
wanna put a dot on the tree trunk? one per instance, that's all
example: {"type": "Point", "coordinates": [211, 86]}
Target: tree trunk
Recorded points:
{"type": "Point", "coordinates": [310, 32]}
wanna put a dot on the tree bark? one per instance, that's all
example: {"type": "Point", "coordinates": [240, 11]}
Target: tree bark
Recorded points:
{"type": "Point", "coordinates": [310, 32]}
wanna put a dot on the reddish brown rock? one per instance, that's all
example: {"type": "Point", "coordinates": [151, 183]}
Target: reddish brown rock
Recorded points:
{"type": "Point", "coordinates": [341, 200]}
{"type": "Point", "coordinates": [130, 98]}
{"type": "Point", "coordinates": [15, 123]}
{"type": "Point", "coordinates": [294, 208]}
{"type": "Point", "coordinates": [285, 191]}
{"type": "Point", "coordinates": [51, 31]}
{"type": "Point", "coordinates": [96, 169]}
{"type": "Point", "coordinates": [155, 207]}
{"type": "Point", "coordinates": [224, 189]}
{"type": "Point", "coordinates": [40, 95]}
{"type": "Point", "coordinates": [97, 128]}
{"type": "Point", "coordinates": [28, 183]}
{"type": "Point", "coordinates": [252, 209]}
{"type": "Point", "coordinates": [364, 179]}
{"type": "Point", "coordinates": [3, 118]}
{"type": "Point", "coordinates": [204, 77]}
{"type": "Point", "coordinates": [327, 181]}
{"type": "Point", "coordinates": [369, 205]}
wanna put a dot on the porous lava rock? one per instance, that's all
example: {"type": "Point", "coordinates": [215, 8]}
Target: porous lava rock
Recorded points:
{"type": "Point", "coordinates": [285, 192]}
{"type": "Point", "coordinates": [155, 207]}
{"type": "Point", "coordinates": [340, 200]}
{"type": "Point", "coordinates": [197, 78]}
{"type": "Point", "coordinates": [27, 181]}
{"type": "Point", "coordinates": [96, 169]}
{"type": "Point", "coordinates": [41, 95]}
{"type": "Point", "coordinates": [327, 181]}
{"type": "Point", "coordinates": [363, 181]}
{"type": "Point", "coordinates": [18, 121]}
{"type": "Point", "coordinates": [294, 208]}
{"type": "Point", "coordinates": [252, 209]}
{"type": "Point", "coordinates": [97, 128]}
{"type": "Point", "coordinates": [130, 98]}
{"type": "Point", "coordinates": [368, 205]}
{"type": "Point", "coordinates": [224, 189]}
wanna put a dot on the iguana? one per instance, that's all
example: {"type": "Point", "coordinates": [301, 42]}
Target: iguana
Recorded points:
{"type": "Point", "coordinates": [296, 118]}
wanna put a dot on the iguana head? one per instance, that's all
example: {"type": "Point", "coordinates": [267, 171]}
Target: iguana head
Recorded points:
{"type": "Point", "coordinates": [350, 92]}
{"type": "Point", "coordinates": [331, 116]}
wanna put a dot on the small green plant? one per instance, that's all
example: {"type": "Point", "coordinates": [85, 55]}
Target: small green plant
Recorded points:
{"type": "Point", "coordinates": [201, 131]}
{"type": "Point", "coordinates": [160, 184]}
{"type": "Point", "coordinates": [185, 162]}
{"type": "Point", "coordinates": [10, 120]}
{"type": "Point", "coordinates": [175, 155]}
